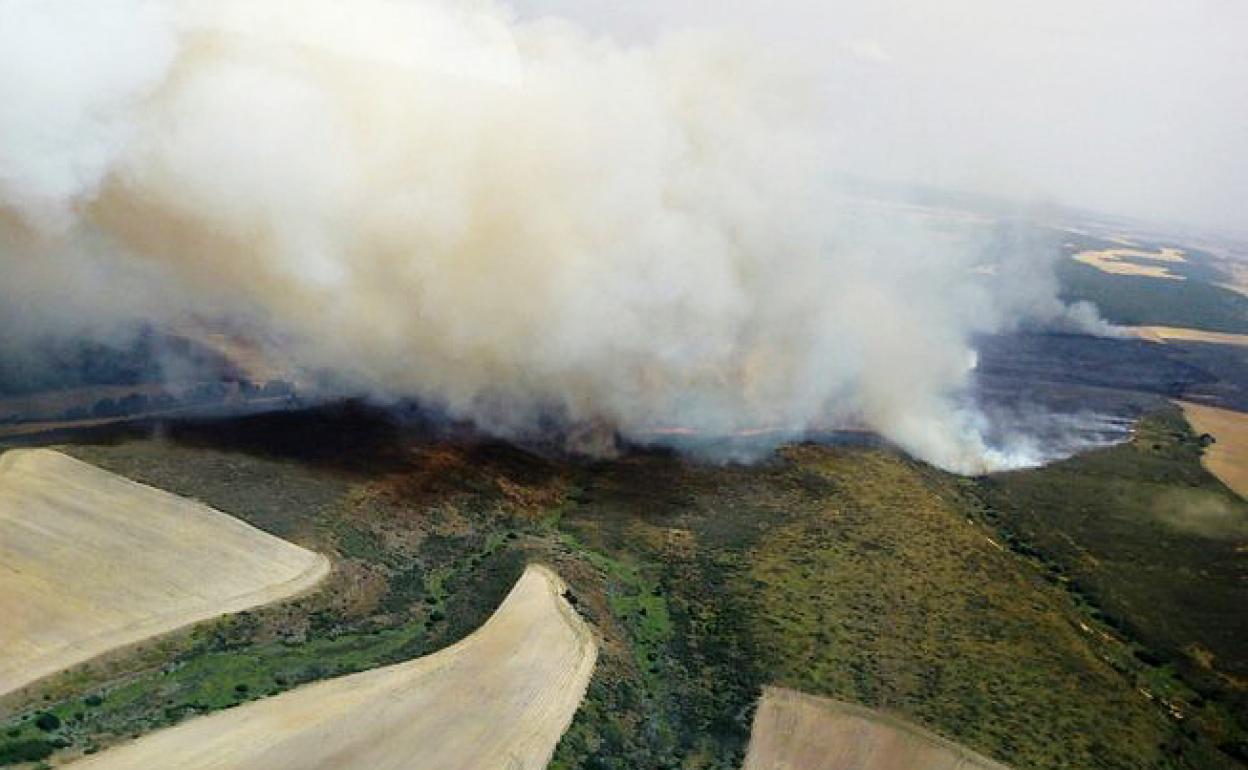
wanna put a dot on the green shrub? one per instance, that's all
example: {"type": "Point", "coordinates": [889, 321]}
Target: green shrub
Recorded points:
{"type": "Point", "coordinates": [28, 750]}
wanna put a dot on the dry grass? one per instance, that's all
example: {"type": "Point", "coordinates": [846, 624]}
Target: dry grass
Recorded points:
{"type": "Point", "coordinates": [795, 731]}
{"type": "Point", "coordinates": [1126, 261]}
{"type": "Point", "coordinates": [90, 561]}
{"type": "Point", "coordinates": [1227, 458]}
{"type": "Point", "coordinates": [498, 700]}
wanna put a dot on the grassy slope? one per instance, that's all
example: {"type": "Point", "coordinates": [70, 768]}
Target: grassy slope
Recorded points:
{"type": "Point", "coordinates": [1157, 546]}
{"type": "Point", "coordinates": [847, 572]}
{"type": "Point", "coordinates": [854, 574]}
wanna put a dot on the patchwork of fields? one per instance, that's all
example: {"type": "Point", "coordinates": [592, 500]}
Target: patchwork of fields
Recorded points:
{"type": "Point", "coordinates": [840, 571]}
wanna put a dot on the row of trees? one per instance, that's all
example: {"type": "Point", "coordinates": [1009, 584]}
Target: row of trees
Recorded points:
{"type": "Point", "coordinates": [204, 394]}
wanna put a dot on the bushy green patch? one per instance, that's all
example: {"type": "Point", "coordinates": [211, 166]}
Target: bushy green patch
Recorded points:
{"type": "Point", "coordinates": [354, 542]}
{"type": "Point", "coordinates": [25, 750]}
{"type": "Point", "coordinates": [47, 722]}
{"type": "Point", "coordinates": [859, 575]}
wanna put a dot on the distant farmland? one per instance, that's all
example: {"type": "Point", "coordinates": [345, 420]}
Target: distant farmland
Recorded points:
{"type": "Point", "coordinates": [1196, 302]}
{"type": "Point", "coordinates": [1168, 333]}
{"type": "Point", "coordinates": [90, 561]}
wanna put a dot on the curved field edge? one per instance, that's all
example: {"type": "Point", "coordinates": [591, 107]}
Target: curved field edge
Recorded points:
{"type": "Point", "coordinates": [704, 583]}
{"type": "Point", "coordinates": [501, 697]}
{"type": "Point", "coordinates": [806, 732]}
{"type": "Point", "coordinates": [77, 539]}
{"type": "Point", "coordinates": [1227, 456]}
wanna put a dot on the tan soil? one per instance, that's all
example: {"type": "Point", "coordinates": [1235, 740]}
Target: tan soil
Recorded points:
{"type": "Point", "coordinates": [1164, 333]}
{"type": "Point", "coordinates": [91, 561]}
{"type": "Point", "coordinates": [795, 731]}
{"type": "Point", "coordinates": [1227, 458]}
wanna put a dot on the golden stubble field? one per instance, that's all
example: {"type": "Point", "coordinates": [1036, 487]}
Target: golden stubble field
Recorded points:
{"type": "Point", "coordinates": [1227, 457]}
{"type": "Point", "coordinates": [795, 731]}
{"type": "Point", "coordinates": [91, 561]}
{"type": "Point", "coordinates": [497, 700]}
{"type": "Point", "coordinates": [1165, 334]}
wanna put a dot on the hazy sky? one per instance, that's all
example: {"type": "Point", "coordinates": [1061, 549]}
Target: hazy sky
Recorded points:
{"type": "Point", "coordinates": [1138, 108]}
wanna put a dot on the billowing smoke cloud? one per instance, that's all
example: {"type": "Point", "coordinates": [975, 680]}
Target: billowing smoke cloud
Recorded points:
{"type": "Point", "coordinates": [512, 219]}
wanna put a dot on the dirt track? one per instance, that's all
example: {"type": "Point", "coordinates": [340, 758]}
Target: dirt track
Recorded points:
{"type": "Point", "coordinates": [795, 731]}
{"type": "Point", "coordinates": [90, 561]}
{"type": "Point", "coordinates": [1227, 457]}
{"type": "Point", "coordinates": [498, 700]}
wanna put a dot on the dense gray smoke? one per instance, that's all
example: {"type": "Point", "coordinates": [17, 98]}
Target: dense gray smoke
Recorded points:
{"type": "Point", "coordinates": [512, 219]}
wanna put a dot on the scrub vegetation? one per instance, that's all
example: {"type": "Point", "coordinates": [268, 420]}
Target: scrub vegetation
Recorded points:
{"type": "Point", "coordinates": [849, 572]}
{"type": "Point", "coordinates": [1154, 546]}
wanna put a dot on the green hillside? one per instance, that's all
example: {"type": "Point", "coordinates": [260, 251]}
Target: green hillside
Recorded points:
{"type": "Point", "coordinates": [849, 572]}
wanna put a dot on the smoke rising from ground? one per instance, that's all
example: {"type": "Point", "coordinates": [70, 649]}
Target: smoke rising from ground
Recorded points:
{"type": "Point", "coordinates": [514, 220]}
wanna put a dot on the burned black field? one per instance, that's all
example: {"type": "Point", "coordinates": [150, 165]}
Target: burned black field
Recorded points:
{"type": "Point", "coordinates": [849, 571]}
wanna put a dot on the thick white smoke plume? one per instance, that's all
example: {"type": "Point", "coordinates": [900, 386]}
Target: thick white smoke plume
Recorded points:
{"type": "Point", "coordinates": [514, 220]}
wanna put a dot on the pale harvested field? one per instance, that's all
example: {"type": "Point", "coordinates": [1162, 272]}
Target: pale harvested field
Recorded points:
{"type": "Point", "coordinates": [1228, 457]}
{"type": "Point", "coordinates": [795, 731]}
{"type": "Point", "coordinates": [1120, 261]}
{"type": "Point", "coordinates": [91, 561]}
{"type": "Point", "coordinates": [1164, 333]}
{"type": "Point", "coordinates": [498, 700]}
